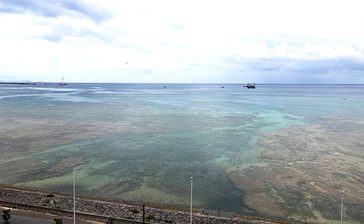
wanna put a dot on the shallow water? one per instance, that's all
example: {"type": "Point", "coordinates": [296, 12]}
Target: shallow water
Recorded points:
{"type": "Point", "coordinates": [142, 142]}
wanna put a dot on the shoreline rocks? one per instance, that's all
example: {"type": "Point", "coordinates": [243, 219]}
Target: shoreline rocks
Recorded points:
{"type": "Point", "coordinates": [113, 209]}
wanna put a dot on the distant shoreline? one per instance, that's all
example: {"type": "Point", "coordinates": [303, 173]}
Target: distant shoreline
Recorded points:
{"type": "Point", "coordinates": [17, 83]}
{"type": "Point", "coordinates": [167, 83]}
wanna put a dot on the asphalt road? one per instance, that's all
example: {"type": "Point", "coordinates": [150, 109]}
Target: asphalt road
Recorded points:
{"type": "Point", "coordinates": [15, 219]}
{"type": "Point", "coordinates": [28, 217]}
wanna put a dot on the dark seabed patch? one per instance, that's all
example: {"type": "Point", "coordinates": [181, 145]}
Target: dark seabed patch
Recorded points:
{"type": "Point", "coordinates": [305, 168]}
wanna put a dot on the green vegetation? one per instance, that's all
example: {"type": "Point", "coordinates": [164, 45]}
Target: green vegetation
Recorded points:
{"type": "Point", "coordinates": [6, 216]}
{"type": "Point", "coordinates": [58, 221]}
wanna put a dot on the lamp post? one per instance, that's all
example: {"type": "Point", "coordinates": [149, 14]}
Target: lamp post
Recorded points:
{"type": "Point", "coordinates": [191, 200]}
{"type": "Point", "coordinates": [74, 194]}
{"type": "Point", "coordinates": [342, 204]}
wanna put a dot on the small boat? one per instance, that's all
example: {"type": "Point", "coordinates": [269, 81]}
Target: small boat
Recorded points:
{"type": "Point", "coordinates": [62, 83]}
{"type": "Point", "coordinates": [250, 85]}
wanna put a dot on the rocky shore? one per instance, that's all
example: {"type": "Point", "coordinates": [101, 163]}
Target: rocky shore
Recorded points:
{"type": "Point", "coordinates": [115, 209]}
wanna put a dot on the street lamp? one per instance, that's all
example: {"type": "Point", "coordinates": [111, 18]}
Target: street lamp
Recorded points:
{"type": "Point", "coordinates": [74, 194]}
{"type": "Point", "coordinates": [342, 203]}
{"type": "Point", "coordinates": [191, 200]}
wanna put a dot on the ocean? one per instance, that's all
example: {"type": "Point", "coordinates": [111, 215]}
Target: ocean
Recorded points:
{"type": "Point", "coordinates": [143, 142]}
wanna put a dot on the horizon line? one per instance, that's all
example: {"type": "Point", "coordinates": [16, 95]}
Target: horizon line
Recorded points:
{"type": "Point", "coordinates": [191, 83]}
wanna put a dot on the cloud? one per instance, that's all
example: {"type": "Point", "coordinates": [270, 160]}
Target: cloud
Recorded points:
{"type": "Point", "coordinates": [59, 31]}
{"type": "Point", "coordinates": [302, 66]}
{"type": "Point", "coordinates": [189, 41]}
{"type": "Point", "coordinates": [52, 37]}
{"type": "Point", "coordinates": [54, 8]}
{"type": "Point", "coordinates": [179, 27]}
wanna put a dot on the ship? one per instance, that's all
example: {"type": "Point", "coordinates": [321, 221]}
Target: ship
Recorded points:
{"type": "Point", "coordinates": [250, 85]}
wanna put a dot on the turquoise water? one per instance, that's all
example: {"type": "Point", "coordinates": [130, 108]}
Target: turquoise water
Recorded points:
{"type": "Point", "coordinates": [142, 142]}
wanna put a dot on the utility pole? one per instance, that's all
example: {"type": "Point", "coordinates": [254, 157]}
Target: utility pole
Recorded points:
{"type": "Point", "coordinates": [342, 204]}
{"type": "Point", "coordinates": [191, 200]}
{"type": "Point", "coordinates": [74, 194]}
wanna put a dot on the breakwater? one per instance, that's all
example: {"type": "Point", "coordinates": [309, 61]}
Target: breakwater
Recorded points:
{"type": "Point", "coordinates": [105, 211]}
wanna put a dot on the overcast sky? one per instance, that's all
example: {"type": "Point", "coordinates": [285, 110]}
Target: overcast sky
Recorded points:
{"type": "Point", "coordinates": [272, 41]}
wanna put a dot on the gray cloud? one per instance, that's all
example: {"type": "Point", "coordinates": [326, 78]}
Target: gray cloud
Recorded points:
{"type": "Point", "coordinates": [284, 70]}
{"type": "Point", "coordinates": [52, 37]}
{"type": "Point", "coordinates": [59, 32]}
{"type": "Point", "coordinates": [334, 66]}
{"type": "Point", "coordinates": [54, 8]}
{"type": "Point", "coordinates": [265, 64]}
{"type": "Point", "coordinates": [302, 66]}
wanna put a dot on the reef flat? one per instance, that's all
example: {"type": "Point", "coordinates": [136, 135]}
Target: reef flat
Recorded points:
{"type": "Point", "coordinates": [26, 146]}
{"type": "Point", "coordinates": [143, 142]}
{"type": "Point", "coordinates": [304, 170]}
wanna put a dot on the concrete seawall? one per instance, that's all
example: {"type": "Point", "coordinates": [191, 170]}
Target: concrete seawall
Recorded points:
{"type": "Point", "coordinates": [106, 211]}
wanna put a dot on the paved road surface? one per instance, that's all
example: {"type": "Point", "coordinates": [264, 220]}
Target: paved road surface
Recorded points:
{"type": "Point", "coordinates": [15, 219]}
{"type": "Point", "coordinates": [28, 217]}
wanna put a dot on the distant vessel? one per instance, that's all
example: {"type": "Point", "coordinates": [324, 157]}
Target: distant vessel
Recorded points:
{"type": "Point", "coordinates": [62, 83]}
{"type": "Point", "coordinates": [250, 85]}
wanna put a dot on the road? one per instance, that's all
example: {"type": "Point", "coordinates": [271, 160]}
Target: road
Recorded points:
{"type": "Point", "coordinates": [28, 217]}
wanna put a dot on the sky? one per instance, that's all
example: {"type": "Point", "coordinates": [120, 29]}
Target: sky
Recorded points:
{"type": "Point", "coordinates": [262, 41]}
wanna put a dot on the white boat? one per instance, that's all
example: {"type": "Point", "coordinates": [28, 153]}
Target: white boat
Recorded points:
{"type": "Point", "coordinates": [62, 83]}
